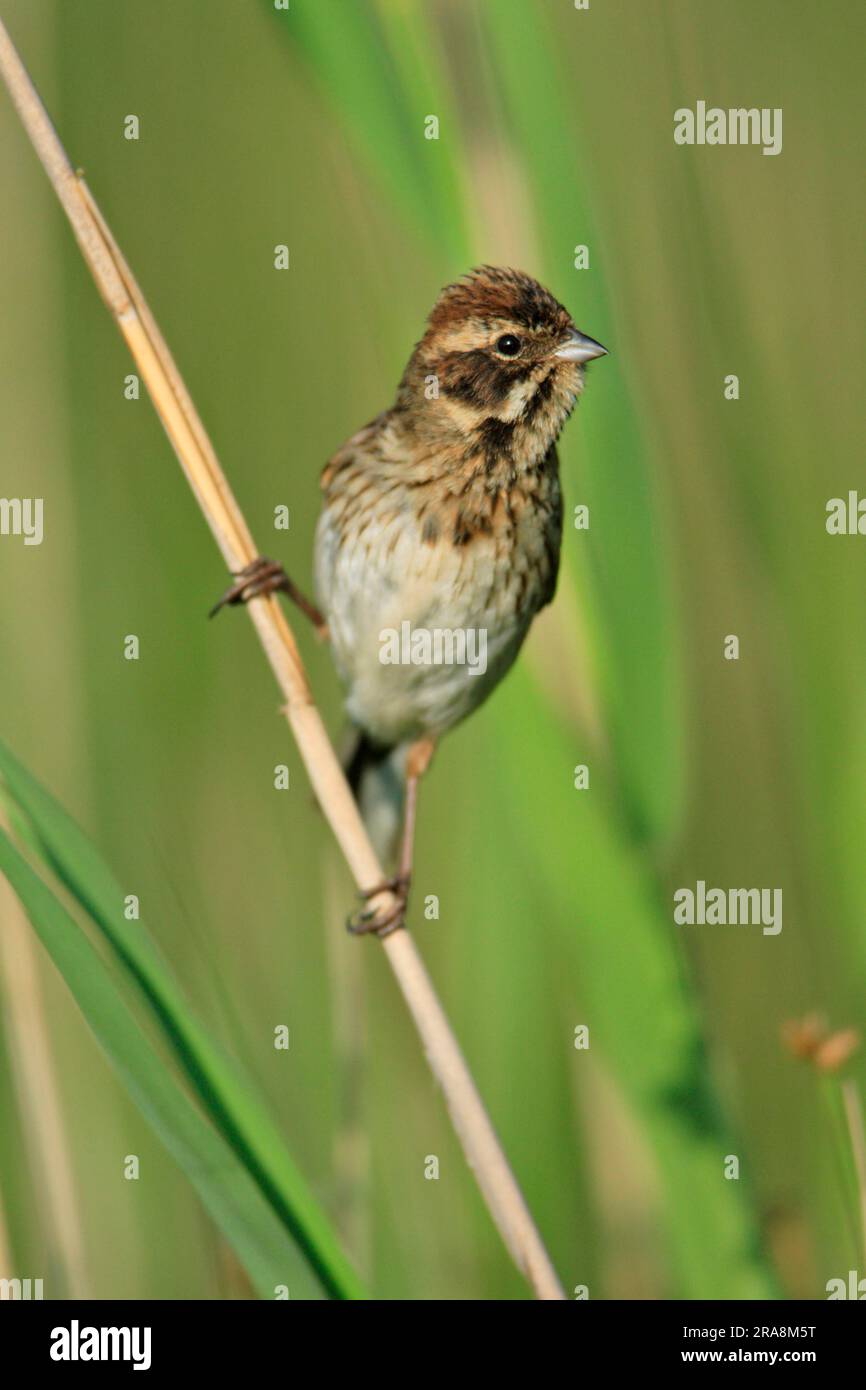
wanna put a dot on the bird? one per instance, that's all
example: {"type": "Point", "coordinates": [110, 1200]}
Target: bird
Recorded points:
{"type": "Point", "coordinates": [443, 515]}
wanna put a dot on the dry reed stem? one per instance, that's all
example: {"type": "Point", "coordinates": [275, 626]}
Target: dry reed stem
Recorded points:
{"type": "Point", "coordinates": [198, 460]}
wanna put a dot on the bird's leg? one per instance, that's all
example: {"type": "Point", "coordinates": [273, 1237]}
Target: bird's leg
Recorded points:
{"type": "Point", "coordinates": [268, 577]}
{"type": "Point", "coordinates": [417, 763]}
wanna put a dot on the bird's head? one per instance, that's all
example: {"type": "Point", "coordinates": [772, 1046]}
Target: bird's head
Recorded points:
{"type": "Point", "coordinates": [499, 348]}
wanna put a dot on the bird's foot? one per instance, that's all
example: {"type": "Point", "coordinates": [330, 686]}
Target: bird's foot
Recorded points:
{"type": "Point", "coordinates": [382, 924]}
{"type": "Point", "coordinates": [262, 577]}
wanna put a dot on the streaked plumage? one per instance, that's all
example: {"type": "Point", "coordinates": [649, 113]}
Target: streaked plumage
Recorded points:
{"type": "Point", "coordinates": [445, 511]}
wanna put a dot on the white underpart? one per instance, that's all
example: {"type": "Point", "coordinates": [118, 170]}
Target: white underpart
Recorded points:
{"type": "Point", "coordinates": [387, 576]}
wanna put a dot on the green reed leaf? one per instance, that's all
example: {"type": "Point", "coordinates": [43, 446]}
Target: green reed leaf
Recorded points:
{"type": "Point", "coordinates": [228, 1096]}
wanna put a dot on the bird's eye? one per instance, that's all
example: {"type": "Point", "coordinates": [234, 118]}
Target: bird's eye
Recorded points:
{"type": "Point", "coordinates": [508, 345]}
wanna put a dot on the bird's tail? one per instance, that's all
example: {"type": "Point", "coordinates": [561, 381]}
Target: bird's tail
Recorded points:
{"type": "Point", "coordinates": [378, 781]}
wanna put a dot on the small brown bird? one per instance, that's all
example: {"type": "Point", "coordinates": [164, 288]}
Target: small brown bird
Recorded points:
{"type": "Point", "coordinates": [439, 537]}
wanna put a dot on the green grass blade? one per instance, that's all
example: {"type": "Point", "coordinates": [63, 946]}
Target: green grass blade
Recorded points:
{"type": "Point", "coordinates": [227, 1094]}
{"type": "Point", "coordinates": [413, 38]}
{"type": "Point", "coordinates": [622, 955]}
{"type": "Point", "coordinates": [636, 623]}
{"type": "Point", "coordinates": [345, 46]}
{"type": "Point", "coordinates": [223, 1184]}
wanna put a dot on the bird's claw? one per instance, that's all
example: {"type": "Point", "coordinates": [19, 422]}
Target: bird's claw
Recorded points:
{"type": "Point", "coordinates": [260, 577]}
{"type": "Point", "coordinates": [370, 921]}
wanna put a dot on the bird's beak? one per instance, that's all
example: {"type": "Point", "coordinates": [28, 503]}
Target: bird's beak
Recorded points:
{"type": "Point", "coordinates": [578, 348]}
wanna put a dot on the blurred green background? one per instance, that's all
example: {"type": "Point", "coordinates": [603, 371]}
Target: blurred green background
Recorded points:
{"type": "Point", "coordinates": [707, 519]}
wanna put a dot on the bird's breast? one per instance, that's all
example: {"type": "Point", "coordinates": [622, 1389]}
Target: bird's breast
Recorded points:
{"type": "Point", "coordinates": [464, 554]}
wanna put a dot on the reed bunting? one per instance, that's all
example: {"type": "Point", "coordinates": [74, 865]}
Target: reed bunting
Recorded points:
{"type": "Point", "coordinates": [442, 516]}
